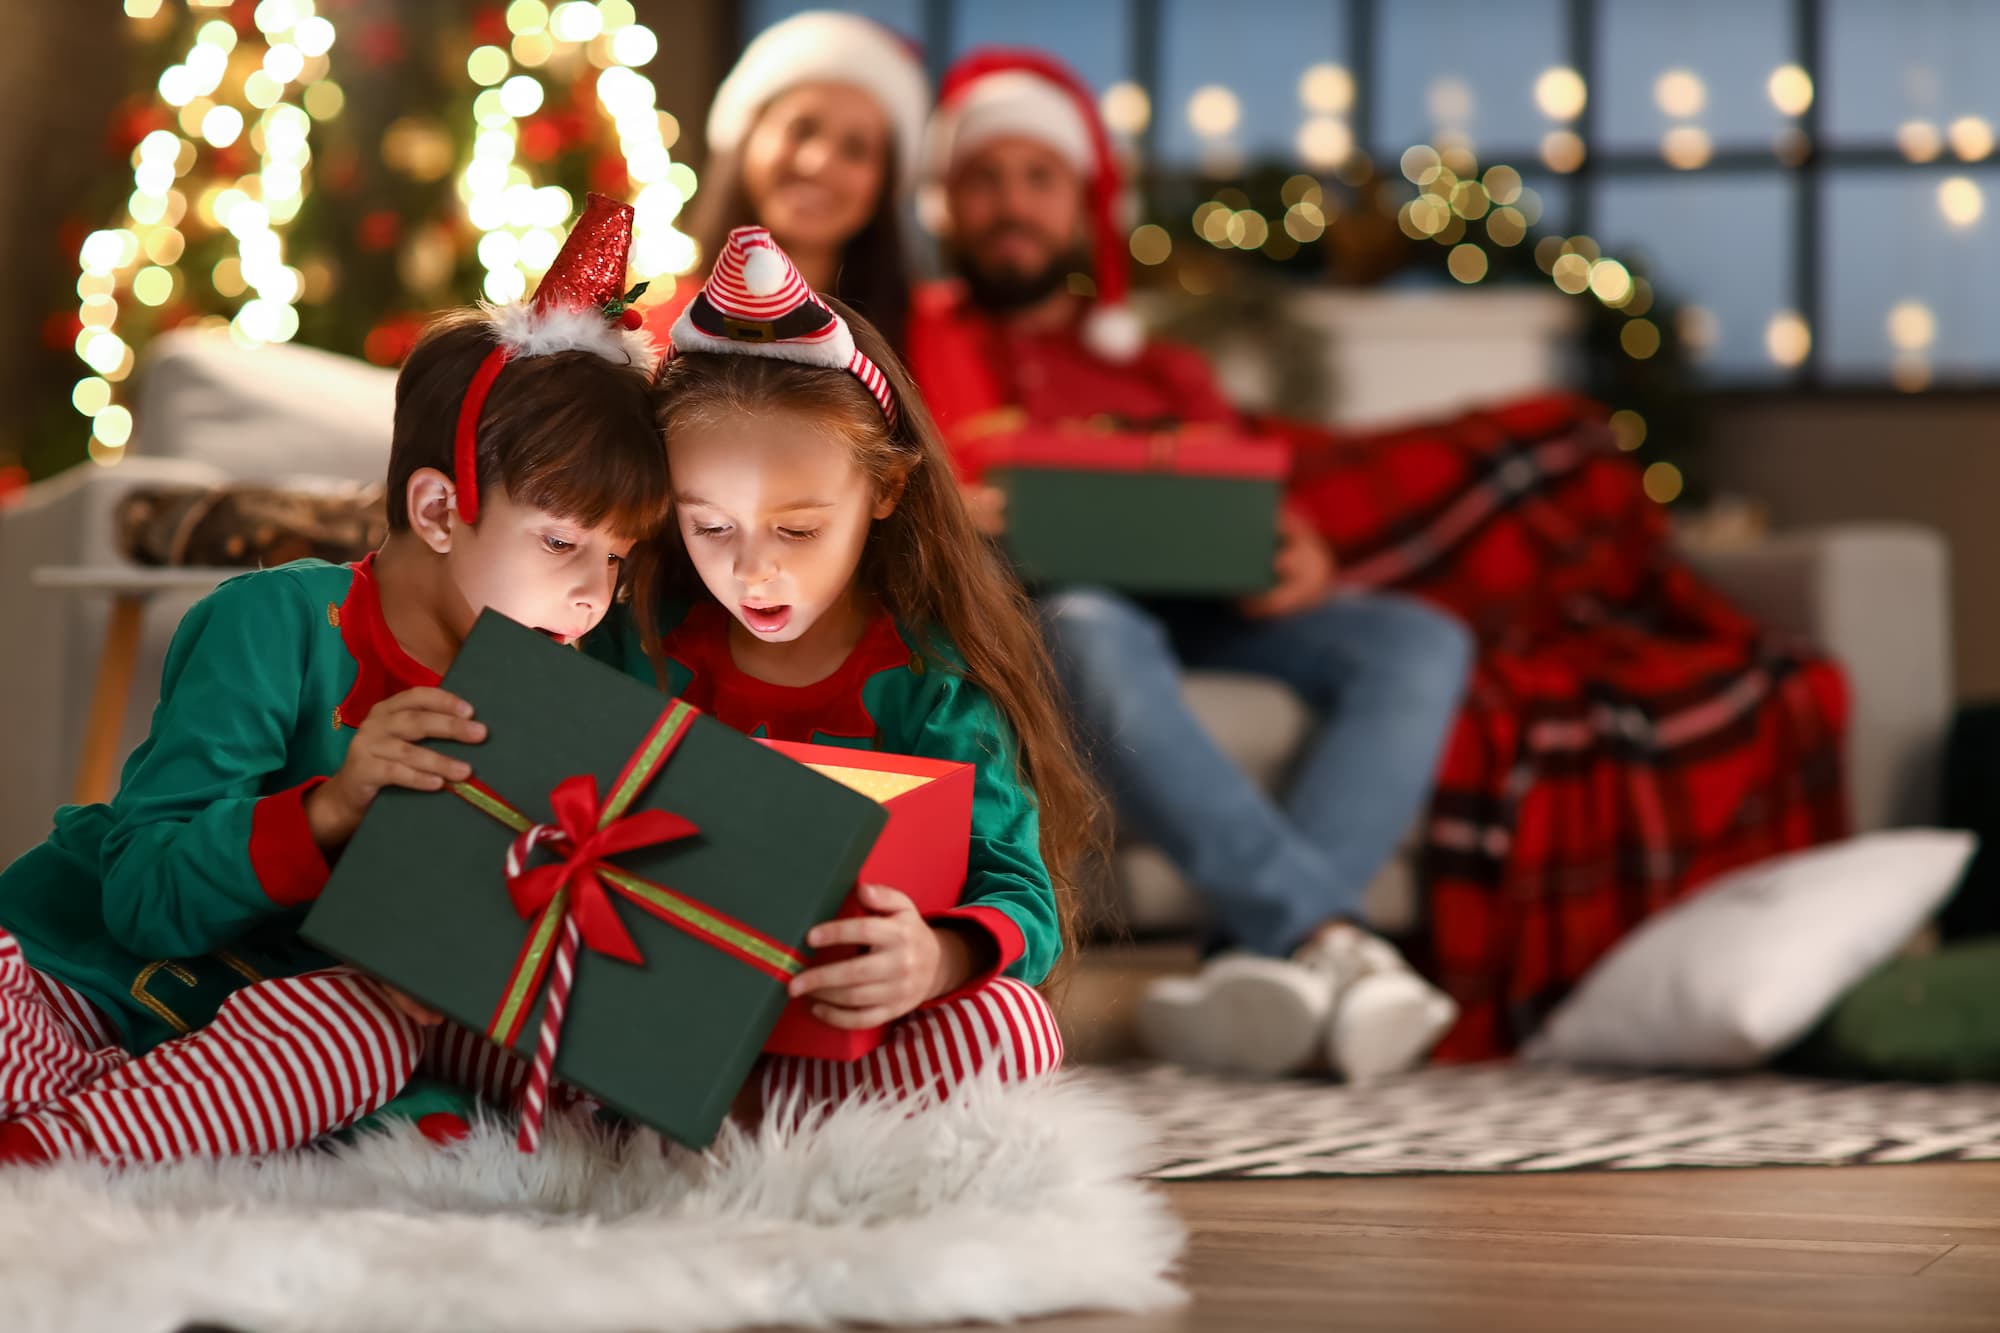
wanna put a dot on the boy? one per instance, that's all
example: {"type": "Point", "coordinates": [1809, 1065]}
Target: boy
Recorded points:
{"type": "Point", "coordinates": [155, 1000]}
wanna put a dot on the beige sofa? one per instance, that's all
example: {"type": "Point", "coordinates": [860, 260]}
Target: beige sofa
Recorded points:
{"type": "Point", "coordinates": [1874, 596]}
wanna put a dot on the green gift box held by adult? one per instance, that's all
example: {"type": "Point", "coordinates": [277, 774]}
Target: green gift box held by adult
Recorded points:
{"type": "Point", "coordinates": [686, 861]}
{"type": "Point", "coordinates": [1179, 513]}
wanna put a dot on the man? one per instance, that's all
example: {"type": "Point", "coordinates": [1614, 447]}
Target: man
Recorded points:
{"type": "Point", "coordinates": [1020, 165]}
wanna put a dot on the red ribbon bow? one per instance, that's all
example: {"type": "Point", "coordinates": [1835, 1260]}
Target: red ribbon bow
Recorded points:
{"type": "Point", "coordinates": [578, 812]}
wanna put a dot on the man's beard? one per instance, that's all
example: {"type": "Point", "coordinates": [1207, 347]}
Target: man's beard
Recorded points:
{"type": "Point", "coordinates": [1004, 291]}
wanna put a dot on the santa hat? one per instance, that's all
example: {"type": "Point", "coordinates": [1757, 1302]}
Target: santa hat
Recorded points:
{"type": "Point", "coordinates": [822, 45]}
{"type": "Point", "coordinates": [755, 303]}
{"type": "Point", "coordinates": [997, 92]}
{"type": "Point", "coordinates": [580, 305]}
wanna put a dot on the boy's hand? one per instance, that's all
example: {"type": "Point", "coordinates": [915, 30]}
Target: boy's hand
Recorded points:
{"type": "Point", "coordinates": [385, 753]}
{"type": "Point", "coordinates": [908, 961]}
{"type": "Point", "coordinates": [1305, 568]}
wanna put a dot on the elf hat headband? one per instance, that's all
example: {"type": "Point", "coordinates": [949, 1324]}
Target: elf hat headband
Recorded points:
{"type": "Point", "coordinates": [581, 305]}
{"type": "Point", "coordinates": [756, 304]}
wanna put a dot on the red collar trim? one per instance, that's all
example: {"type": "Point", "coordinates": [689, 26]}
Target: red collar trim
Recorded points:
{"type": "Point", "coordinates": [829, 707]}
{"type": "Point", "coordinates": [381, 667]}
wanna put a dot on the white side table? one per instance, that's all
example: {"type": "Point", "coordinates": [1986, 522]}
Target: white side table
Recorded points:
{"type": "Point", "coordinates": [130, 588]}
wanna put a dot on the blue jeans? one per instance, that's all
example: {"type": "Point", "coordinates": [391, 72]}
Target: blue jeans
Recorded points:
{"type": "Point", "coordinates": [1384, 673]}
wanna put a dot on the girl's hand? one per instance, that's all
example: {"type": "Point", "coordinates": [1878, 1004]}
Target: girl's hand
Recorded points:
{"type": "Point", "coordinates": [907, 962]}
{"type": "Point", "coordinates": [385, 753]}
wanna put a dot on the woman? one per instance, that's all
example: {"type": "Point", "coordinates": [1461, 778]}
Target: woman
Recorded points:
{"type": "Point", "coordinates": [814, 136]}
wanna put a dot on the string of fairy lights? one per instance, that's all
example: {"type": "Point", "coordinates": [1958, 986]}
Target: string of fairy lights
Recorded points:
{"type": "Point", "coordinates": [261, 87]}
{"type": "Point", "coordinates": [229, 86]}
{"type": "Point", "coordinates": [520, 224]}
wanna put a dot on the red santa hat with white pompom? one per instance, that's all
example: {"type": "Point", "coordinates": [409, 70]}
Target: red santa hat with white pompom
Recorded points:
{"type": "Point", "coordinates": [581, 304]}
{"type": "Point", "coordinates": [1000, 92]}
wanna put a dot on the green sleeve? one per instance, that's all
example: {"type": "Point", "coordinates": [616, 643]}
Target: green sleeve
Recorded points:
{"type": "Point", "coordinates": [206, 840]}
{"type": "Point", "coordinates": [617, 643]}
{"type": "Point", "coordinates": [940, 715]}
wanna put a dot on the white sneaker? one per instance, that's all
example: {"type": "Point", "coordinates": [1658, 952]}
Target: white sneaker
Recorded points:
{"type": "Point", "coordinates": [1387, 1018]}
{"type": "Point", "coordinates": [1242, 1013]}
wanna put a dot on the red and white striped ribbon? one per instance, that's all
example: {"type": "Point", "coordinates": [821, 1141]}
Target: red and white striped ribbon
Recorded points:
{"type": "Point", "coordinates": [535, 1095]}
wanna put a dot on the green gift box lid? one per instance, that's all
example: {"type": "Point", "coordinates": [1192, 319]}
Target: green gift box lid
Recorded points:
{"type": "Point", "coordinates": [419, 897]}
{"type": "Point", "coordinates": [1183, 513]}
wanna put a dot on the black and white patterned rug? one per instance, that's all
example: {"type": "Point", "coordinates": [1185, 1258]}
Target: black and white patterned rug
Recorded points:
{"type": "Point", "coordinates": [1508, 1117]}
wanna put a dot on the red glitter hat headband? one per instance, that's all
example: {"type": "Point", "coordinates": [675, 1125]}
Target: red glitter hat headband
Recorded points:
{"type": "Point", "coordinates": [756, 304]}
{"type": "Point", "coordinates": [581, 304]}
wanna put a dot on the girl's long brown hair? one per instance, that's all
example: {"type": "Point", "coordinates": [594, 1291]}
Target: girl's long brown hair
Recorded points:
{"type": "Point", "coordinates": [926, 563]}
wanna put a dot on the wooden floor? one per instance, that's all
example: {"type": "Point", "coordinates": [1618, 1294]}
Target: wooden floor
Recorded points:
{"type": "Point", "coordinates": [1878, 1249]}
{"type": "Point", "coordinates": [1888, 1249]}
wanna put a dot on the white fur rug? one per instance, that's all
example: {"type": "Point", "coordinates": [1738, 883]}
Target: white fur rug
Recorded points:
{"type": "Point", "coordinates": [1003, 1204]}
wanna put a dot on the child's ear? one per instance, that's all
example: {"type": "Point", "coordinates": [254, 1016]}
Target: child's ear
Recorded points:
{"type": "Point", "coordinates": [892, 492]}
{"type": "Point", "coordinates": [431, 500]}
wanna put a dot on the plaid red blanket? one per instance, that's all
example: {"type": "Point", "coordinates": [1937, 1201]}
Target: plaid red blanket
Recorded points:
{"type": "Point", "coordinates": [1628, 735]}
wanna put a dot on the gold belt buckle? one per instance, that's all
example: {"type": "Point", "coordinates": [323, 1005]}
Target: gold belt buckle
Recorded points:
{"type": "Point", "coordinates": [750, 330]}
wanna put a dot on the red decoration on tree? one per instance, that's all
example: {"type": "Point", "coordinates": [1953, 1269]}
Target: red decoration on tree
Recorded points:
{"type": "Point", "coordinates": [607, 175]}
{"type": "Point", "coordinates": [391, 340]}
{"type": "Point", "coordinates": [13, 481]}
{"type": "Point", "coordinates": [60, 329]}
{"type": "Point", "coordinates": [540, 140]}
{"type": "Point", "coordinates": [378, 231]}
{"type": "Point", "coordinates": [382, 43]}
{"type": "Point", "coordinates": [489, 27]}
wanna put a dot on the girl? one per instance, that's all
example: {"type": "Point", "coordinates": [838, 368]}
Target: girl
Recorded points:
{"type": "Point", "coordinates": [826, 585]}
{"type": "Point", "coordinates": [814, 135]}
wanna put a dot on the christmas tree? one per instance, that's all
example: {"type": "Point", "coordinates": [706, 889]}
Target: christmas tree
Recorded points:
{"type": "Point", "coordinates": [333, 171]}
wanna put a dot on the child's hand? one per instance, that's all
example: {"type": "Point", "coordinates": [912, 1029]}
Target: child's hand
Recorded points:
{"type": "Point", "coordinates": [422, 1015]}
{"type": "Point", "coordinates": [385, 753]}
{"type": "Point", "coordinates": [907, 963]}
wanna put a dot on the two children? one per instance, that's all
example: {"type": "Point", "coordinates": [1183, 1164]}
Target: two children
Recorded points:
{"type": "Point", "coordinates": [155, 1000]}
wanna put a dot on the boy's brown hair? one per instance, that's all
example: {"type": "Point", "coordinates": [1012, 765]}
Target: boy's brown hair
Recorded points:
{"type": "Point", "coordinates": [568, 432]}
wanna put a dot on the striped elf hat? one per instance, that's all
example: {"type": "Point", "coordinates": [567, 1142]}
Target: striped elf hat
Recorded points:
{"type": "Point", "coordinates": [581, 304]}
{"type": "Point", "coordinates": [756, 304]}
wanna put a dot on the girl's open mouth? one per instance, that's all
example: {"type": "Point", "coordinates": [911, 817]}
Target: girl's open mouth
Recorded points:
{"type": "Point", "coordinates": [766, 619]}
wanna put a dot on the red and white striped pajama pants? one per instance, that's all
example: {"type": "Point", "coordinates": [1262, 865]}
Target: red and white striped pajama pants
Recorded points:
{"type": "Point", "coordinates": [285, 1061]}
{"type": "Point", "coordinates": [294, 1058]}
{"type": "Point", "coordinates": [1005, 1027]}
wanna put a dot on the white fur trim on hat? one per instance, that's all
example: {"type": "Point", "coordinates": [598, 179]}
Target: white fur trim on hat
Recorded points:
{"type": "Point", "coordinates": [817, 46]}
{"type": "Point", "coordinates": [525, 331]}
{"type": "Point", "coordinates": [1009, 103]}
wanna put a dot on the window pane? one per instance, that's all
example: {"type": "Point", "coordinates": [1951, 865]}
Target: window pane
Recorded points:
{"type": "Point", "coordinates": [1720, 244]}
{"type": "Point", "coordinates": [1928, 61]}
{"type": "Point", "coordinates": [905, 16]}
{"type": "Point", "coordinates": [1705, 64]}
{"type": "Point", "coordinates": [1260, 56]}
{"type": "Point", "coordinates": [1908, 273]}
{"type": "Point", "coordinates": [1467, 66]}
{"type": "Point", "coordinates": [1094, 38]}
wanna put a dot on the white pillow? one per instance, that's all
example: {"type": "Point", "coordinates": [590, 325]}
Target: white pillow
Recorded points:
{"type": "Point", "coordinates": [1742, 970]}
